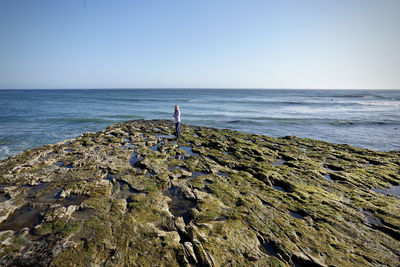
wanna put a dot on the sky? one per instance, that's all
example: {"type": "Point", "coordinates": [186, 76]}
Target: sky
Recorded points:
{"type": "Point", "coordinates": [305, 44]}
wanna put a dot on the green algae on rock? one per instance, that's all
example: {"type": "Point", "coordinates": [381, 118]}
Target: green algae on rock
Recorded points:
{"type": "Point", "coordinates": [133, 195]}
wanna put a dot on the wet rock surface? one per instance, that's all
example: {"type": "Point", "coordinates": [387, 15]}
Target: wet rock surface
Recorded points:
{"type": "Point", "coordinates": [133, 195]}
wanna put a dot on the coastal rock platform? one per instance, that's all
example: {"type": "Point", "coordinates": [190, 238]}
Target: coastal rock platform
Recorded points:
{"type": "Point", "coordinates": [134, 195]}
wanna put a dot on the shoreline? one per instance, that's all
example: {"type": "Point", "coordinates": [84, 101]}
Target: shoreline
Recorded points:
{"type": "Point", "coordinates": [190, 125]}
{"type": "Point", "coordinates": [366, 119]}
{"type": "Point", "coordinates": [132, 190]}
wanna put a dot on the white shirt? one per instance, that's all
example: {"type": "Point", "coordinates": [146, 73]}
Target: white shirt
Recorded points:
{"type": "Point", "coordinates": [177, 116]}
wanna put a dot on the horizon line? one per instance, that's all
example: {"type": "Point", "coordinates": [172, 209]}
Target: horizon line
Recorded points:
{"type": "Point", "coordinates": [196, 88]}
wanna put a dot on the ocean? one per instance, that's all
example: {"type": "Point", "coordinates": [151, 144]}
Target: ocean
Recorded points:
{"type": "Point", "coordinates": [362, 118]}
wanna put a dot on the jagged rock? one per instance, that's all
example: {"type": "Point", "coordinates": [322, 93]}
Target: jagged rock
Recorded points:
{"type": "Point", "coordinates": [187, 192]}
{"type": "Point", "coordinates": [180, 225]}
{"type": "Point", "coordinates": [8, 207]}
{"type": "Point", "coordinates": [132, 195]}
{"type": "Point", "coordinates": [189, 252]}
{"type": "Point", "coordinates": [65, 193]}
{"type": "Point", "coordinates": [56, 212]}
{"type": "Point", "coordinates": [194, 234]}
{"type": "Point", "coordinates": [204, 258]}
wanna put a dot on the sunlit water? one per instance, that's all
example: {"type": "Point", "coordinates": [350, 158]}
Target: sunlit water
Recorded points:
{"type": "Point", "coordinates": [363, 118]}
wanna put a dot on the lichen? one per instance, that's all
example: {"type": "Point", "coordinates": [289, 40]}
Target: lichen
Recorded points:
{"type": "Point", "coordinates": [254, 200]}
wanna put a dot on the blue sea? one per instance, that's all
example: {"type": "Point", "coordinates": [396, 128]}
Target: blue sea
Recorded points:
{"type": "Point", "coordinates": [362, 118]}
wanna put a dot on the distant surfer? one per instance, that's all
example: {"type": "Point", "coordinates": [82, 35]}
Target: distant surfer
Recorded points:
{"type": "Point", "coordinates": [177, 116]}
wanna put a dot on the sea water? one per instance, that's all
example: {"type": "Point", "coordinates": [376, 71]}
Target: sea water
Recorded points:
{"type": "Point", "coordinates": [363, 118]}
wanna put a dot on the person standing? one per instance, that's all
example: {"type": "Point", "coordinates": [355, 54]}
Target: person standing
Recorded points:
{"type": "Point", "coordinates": [177, 116]}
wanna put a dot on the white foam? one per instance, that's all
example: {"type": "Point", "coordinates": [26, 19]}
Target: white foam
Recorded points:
{"type": "Point", "coordinates": [4, 150]}
{"type": "Point", "coordinates": [383, 103]}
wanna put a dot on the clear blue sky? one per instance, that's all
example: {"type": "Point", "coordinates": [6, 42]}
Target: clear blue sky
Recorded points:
{"type": "Point", "coordinates": [200, 44]}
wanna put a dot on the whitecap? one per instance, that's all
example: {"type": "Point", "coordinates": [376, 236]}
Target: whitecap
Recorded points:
{"type": "Point", "coordinates": [4, 150]}
{"type": "Point", "coordinates": [383, 103]}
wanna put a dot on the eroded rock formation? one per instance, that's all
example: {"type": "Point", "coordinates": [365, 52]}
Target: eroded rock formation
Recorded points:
{"type": "Point", "coordinates": [133, 195]}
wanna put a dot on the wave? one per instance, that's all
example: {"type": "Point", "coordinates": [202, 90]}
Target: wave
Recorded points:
{"type": "Point", "coordinates": [378, 95]}
{"type": "Point", "coordinates": [269, 121]}
{"type": "Point", "coordinates": [245, 122]}
{"type": "Point", "coordinates": [4, 152]}
{"type": "Point", "coordinates": [5, 140]}
{"type": "Point", "coordinates": [358, 95]}
{"type": "Point", "coordinates": [306, 121]}
{"type": "Point", "coordinates": [124, 116]}
{"type": "Point", "coordinates": [386, 103]}
{"type": "Point", "coordinates": [155, 114]}
{"type": "Point", "coordinates": [125, 99]}
{"type": "Point", "coordinates": [351, 122]}
{"type": "Point", "coordinates": [83, 120]}
{"type": "Point", "coordinates": [268, 102]}
{"type": "Point", "coordinates": [144, 99]}
{"type": "Point", "coordinates": [316, 103]}
{"type": "Point", "coordinates": [4, 149]}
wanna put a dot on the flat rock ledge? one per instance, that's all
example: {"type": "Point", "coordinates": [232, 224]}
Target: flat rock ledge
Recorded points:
{"type": "Point", "coordinates": [133, 195]}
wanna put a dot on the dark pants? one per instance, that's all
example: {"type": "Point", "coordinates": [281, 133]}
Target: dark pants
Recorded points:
{"type": "Point", "coordinates": [177, 129]}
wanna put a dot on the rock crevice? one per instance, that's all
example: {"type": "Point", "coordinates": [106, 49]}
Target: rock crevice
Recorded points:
{"type": "Point", "coordinates": [133, 195]}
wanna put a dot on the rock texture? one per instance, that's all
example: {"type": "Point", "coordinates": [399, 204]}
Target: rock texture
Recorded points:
{"type": "Point", "coordinates": [133, 195]}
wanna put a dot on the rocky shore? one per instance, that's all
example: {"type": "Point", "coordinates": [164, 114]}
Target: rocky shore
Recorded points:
{"type": "Point", "coordinates": [133, 195]}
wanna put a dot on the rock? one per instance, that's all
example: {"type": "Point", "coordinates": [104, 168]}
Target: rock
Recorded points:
{"type": "Point", "coordinates": [65, 193]}
{"type": "Point", "coordinates": [124, 197]}
{"type": "Point", "coordinates": [189, 252]}
{"type": "Point", "coordinates": [7, 208]}
{"type": "Point", "coordinates": [188, 193]}
{"type": "Point", "coordinates": [204, 258]}
{"type": "Point", "coordinates": [198, 194]}
{"type": "Point", "coordinates": [120, 205]}
{"type": "Point", "coordinates": [194, 234]}
{"type": "Point", "coordinates": [180, 225]}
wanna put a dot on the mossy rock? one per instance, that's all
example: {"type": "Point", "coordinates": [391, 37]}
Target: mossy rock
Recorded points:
{"type": "Point", "coordinates": [240, 200]}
